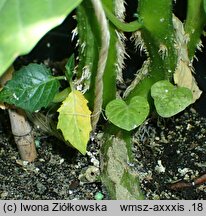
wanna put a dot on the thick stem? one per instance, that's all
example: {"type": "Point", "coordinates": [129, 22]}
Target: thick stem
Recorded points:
{"type": "Point", "coordinates": [103, 54]}
{"type": "Point", "coordinates": [23, 136]}
{"type": "Point", "coordinates": [159, 39]}
{"type": "Point", "coordinates": [110, 73]}
{"type": "Point", "coordinates": [117, 175]}
{"type": "Point", "coordinates": [194, 27]}
{"type": "Point", "coordinates": [89, 43]}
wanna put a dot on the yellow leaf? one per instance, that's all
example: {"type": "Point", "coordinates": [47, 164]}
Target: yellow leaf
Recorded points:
{"type": "Point", "coordinates": [183, 78]}
{"type": "Point", "coordinates": [183, 74]}
{"type": "Point", "coordinates": [74, 120]}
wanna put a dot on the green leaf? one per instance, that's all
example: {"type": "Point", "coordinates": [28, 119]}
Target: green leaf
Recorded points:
{"type": "Point", "coordinates": [204, 5]}
{"type": "Point", "coordinates": [70, 68]}
{"type": "Point", "coordinates": [24, 22]}
{"type": "Point", "coordinates": [74, 120]}
{"type": "Point", "coordinates": [31, 88]}
{"type": "Point", "coordinates": [128, 116]}
{"type": "Point", "coordinates": [169, 99]}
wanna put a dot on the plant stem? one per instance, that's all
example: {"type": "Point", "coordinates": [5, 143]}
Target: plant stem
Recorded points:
{"type": "Point", "coordinates": [194, 27]}
{"type": "Point", "coordinates": [103, 54]}
{"type": "Point", "coordinates": [110, 73]}
{"type": "Point", "coordinates": [116, 149]}
{"type": "Point", "coordinates": [61, 96]}
{"type": "Point", "coordinates": [23, 137]}
{"type": "Point", "coordinates": [121, 181]}
{"type": "Point", "coordinates": [89, 43]}
{"type": "Point", "coordinates": [20, 127]}
{"type": "Point", "coordinates": [126, 27]}
{"type": "Point", "coordinates": [60, 77]}
{"type": "Point", "coordinates": [158, 36]}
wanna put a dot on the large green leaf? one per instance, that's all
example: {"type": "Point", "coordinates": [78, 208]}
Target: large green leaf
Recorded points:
{"type": "Point", "coordinates": [128, 116]}
{"type": "Point", "coordinates": [31, 88]}
{"type": "Point", "coordinates": [169, 99]}
{"type": "Point", "coordinates": [24, 22]}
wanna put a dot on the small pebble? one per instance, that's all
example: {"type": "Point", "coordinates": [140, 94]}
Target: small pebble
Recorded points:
{"type": "Point", "coordinates": [98, 196]}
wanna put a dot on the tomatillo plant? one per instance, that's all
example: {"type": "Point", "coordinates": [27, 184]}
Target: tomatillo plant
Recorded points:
{"type": "Point", "coordinates": [164, 83]}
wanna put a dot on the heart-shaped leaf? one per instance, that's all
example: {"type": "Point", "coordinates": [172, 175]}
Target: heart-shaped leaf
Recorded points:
{"type": "Point", "coordinates": [169, 99]}
{"type": "Point", "coordinates": [127, 116]}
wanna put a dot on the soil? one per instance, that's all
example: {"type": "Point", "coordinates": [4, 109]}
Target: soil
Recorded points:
{"type": "Point", "coordinates": [172, 155]}
{"type": "Point", "coordinates": [53, 175]}
{"type": "Point", "coordinates": [166, 151]}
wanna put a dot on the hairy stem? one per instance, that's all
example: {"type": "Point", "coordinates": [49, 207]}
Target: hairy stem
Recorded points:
{"type": "Point", "coordinates": [117, 175]}
{"type": "Point", "coordinates": [194, 27]}
{"type": "Point", "coordinates": [158, 36]}
{"type": "Point", "coordinates": [105, 39]}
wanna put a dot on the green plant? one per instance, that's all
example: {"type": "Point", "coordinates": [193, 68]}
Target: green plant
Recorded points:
{"type": "Point", "coordinates": [28, 22]}
{"type": "Point", "coordinates": [164, 82]}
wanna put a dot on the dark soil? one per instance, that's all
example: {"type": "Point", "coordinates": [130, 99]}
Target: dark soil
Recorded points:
{"type": "Point", "coordinates": [166, 151]}
{"type": "Point", "coordinates": [171, 151]}
{"type": "Point", "coordinates": [54, 175]}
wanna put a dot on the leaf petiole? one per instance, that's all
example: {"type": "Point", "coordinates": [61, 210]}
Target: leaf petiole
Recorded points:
{"type": "Point", "coordinates": [61, 96]}
{"type": "Point", "coordinates": [126, 27]}
{"type": "Point", "coordinates": [60, 78]}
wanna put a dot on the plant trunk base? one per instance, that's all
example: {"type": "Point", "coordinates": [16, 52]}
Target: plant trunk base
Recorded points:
{"type": "Point", "coordinates": [26, 147]}
{"type": "Point", "coordinates": [23, 136]}
{"type": "Point", "coordinates": [121, 181]}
